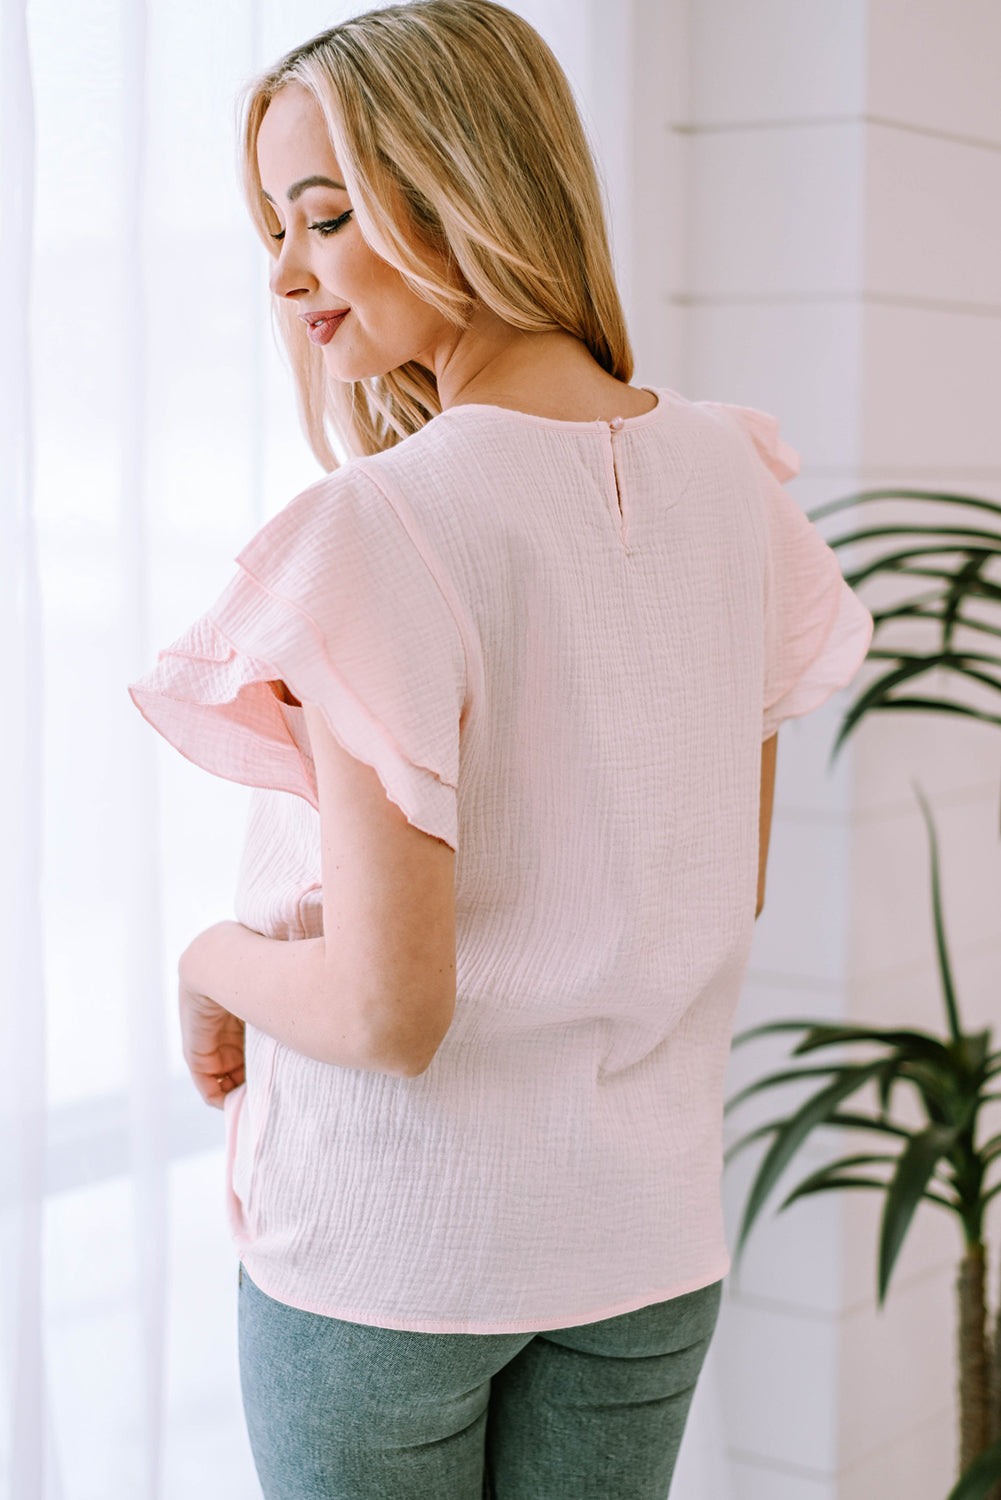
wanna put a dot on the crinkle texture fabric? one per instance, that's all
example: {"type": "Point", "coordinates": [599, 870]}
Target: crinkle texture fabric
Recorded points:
{"type": "Point", "coordinates": [812, 619]}
{"type": "Point", "coordinates": [560, 645]}
{"type": "Point", "coordinates": [332, 598]}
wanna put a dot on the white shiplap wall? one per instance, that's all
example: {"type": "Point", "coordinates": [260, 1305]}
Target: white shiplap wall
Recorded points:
{"type": "Point", "coordinates": [815, 229]}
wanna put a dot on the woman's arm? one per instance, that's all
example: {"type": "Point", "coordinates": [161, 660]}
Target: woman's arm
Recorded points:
{"type": "Point", "coordinates": [229, 975]}
{"type": "Point", "coordinates": [377, 991]}
{"type": "Point", "coordinates": [768, 750]}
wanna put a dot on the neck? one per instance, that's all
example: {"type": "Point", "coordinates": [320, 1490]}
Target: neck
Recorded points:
{"type": "Point", "coordinates": [490, 359]}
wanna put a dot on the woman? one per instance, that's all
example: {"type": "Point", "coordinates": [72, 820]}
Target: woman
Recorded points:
{"type": "Point", "coordinates": [520, 663]}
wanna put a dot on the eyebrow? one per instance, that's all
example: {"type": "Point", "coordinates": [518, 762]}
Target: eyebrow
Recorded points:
{"type": "Point", "coordinates": [307, 182]}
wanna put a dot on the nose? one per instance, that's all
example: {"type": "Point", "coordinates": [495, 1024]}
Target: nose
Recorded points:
{"type": "Point", "coordinates": [288, 278]}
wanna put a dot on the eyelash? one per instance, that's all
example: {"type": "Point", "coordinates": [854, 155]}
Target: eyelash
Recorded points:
{"type": "Point", "coordinates": [326, 226]}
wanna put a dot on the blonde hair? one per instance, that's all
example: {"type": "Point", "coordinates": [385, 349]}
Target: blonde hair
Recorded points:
{"type": "Point", "coordinates": [469, 171]}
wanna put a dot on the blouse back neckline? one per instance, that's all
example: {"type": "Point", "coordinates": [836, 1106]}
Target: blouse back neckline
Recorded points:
{"type": "Point", "coordinates": [617, 424]}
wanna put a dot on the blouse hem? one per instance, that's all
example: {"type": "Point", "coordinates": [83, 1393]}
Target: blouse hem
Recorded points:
{"type": "Point", "coordinates": [469, 1325]}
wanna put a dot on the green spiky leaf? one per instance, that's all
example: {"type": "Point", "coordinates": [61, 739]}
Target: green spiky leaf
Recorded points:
{"type": "Point", "coordinates": [790, 1075]}
{"type": "Point", "coordinates": [937, 497]}
{"type": "Point", "coordinates": [910, 705]}
{"type": "Point", "coordinates": [822, 1177]}
{"type": "Point", "coordinates": [864, 1122]}
{"type": "Point", "coordinates": [861, 497]}
{"type": "Point", "coordinates": [976, 1482]}
{"type": "Point", "coordinates": [990, 1149]}
{"type": "Point", "coordinates": [944, 966]}
{"type": "Point", "coordinates": [965, 534]}
{"type": "Point", "coordinates": [838, 1119]}
{"type": "Point", "coordinates": [919, 1043]}
{"type": "Point", "coordinates": [750, 1138]}
{"type": "Point", "coordinates": [768, 1027]}
{"type": "Point", "coordinates": [885, 1081]}
{"type": "Point", "coordinates": [813, 1112]}
{"type": "Point", "coordinates": [915, 1167]}
{"type": "Point", "coordinates": [971, 1053]}
{"type": "Point", "coordinates": [835, 1183]}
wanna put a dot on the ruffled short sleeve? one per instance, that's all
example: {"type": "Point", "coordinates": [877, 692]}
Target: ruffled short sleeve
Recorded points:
{"type": "Point", "coordinates": [817, 630]}
{"type": "Point", "coordinates": [337, 599]}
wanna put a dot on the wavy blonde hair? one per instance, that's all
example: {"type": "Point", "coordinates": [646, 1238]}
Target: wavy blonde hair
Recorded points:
{"type": "Point", "coordinates": [469, 170]}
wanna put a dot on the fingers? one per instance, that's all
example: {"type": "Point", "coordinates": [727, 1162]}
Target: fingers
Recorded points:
{"type": "Point", "coordinates": [213, 1087]}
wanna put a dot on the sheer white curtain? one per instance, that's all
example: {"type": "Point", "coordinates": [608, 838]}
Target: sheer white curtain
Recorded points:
{"type": "Point", "coordinates": [147, 427]}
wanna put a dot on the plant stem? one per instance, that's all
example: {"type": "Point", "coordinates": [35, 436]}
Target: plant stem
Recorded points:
{"type": "Point", "coordinates": [974, 1410]}
{"type": "Point", "coordinates": [994, 1391]}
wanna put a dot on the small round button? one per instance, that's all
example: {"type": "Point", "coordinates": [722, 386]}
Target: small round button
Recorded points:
{"type": "Point", "coordinates": [616, 423]}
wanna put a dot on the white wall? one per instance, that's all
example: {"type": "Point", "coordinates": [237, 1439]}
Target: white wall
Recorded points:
{"type": "Point", "coordinates": [816, 231]}
{"type": "Point", "coordinates": [931, 393]}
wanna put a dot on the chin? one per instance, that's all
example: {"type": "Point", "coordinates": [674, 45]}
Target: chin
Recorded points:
{"type": "Point", "coordinates": [346, 366]}
{"type": "Point", "coordinates": [347, 370]}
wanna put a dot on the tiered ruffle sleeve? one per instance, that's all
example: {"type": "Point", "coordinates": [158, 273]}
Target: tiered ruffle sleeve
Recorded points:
{"type": "Point", "coordinates": [817, 630]}
{"type": "Point", "coordinates": [335, 598]}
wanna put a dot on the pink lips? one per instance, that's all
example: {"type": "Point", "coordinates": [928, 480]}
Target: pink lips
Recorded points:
{"type": "Point", "coordinates": [321, 328]}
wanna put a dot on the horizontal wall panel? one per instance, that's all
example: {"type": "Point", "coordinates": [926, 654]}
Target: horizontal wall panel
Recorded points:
{"type": "Point", "coordinates": [891, 883]}
{"type": "Point", "coordinates": [932, 388]}
{"type": "Point", "coordinates": [801, 930]}
{"type": "Point", "coordinates": [897, 1366]}
{"type": "Point", "coordinates": [935, 65]}
{"type": "Point", "coordinates": [779, 1385]}
{"type": "Point", "coordinates": [947, 756]}
{"type": "Point", "coordinates": [800, 361]}
{"type": "Point", "coordinates": [777, 59]}
{"type": "Point", "coordinates": [912, 996]}
{"type": "Point", "coordinates": [932, 216]}
{"type": "Point", "coordinates": [777, 211]}
{"type": "Point", "coordinates": [918, 1463]}
{"type": "Point", "coordinates": [807, 782]}
{"type": "Point", "coordinates": [756, 1480]}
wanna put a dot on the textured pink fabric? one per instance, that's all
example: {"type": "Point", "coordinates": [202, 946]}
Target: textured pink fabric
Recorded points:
{"type": "Point", "coordinates": [560, 645]}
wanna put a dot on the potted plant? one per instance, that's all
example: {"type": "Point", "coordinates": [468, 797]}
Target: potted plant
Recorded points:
{"type": "Point", "coordinates": [953, 1075]}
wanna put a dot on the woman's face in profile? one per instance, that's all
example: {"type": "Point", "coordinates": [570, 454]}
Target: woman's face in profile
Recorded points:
{"type": "Point", "coordinates": [324, 265]}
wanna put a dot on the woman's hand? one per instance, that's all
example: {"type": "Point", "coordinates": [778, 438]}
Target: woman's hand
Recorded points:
{"type": "Point", "coordinates": [211, 1038]}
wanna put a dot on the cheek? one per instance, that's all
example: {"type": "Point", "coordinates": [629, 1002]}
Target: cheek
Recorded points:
{"type": "Point", "coordinates": [390, 293]}
{"type": "Point", "coordinates": [351, 265]}
{"type": "Point", "coordinates": [391, 289]}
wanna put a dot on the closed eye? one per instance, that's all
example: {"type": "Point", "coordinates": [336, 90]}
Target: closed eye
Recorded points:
{"type": "Point", "coordinates": [325, 226]}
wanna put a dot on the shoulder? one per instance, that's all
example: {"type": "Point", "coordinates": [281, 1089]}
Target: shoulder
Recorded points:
{"type": "Point", "coordinates": [357, 544]}
{"type": "Point", "coordinates": [442, 456]}
{"type": "Point", "coordinates": [373, 489]}
{"type": "Point", "coordinates": [347, 514]}
{"type": "Point", "coordinates": [759, 431]}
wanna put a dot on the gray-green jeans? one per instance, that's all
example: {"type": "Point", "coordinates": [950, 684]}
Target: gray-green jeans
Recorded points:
{"type": "Point", "coordinates": [345, 1411]}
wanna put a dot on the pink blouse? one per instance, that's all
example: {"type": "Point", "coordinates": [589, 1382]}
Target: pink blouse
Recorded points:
{"type": "Point", "coordinates": [560, 645]}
